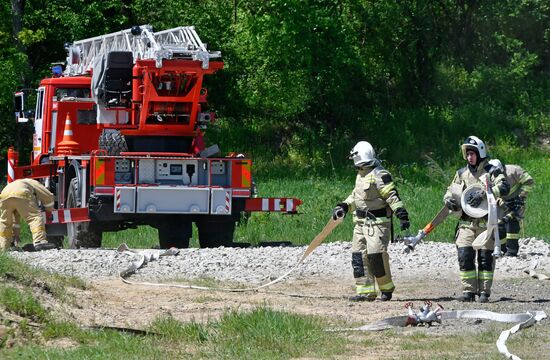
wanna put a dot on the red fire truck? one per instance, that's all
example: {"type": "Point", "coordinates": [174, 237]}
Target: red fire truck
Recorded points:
{"type": "Point", "coordinates": [118, 138]}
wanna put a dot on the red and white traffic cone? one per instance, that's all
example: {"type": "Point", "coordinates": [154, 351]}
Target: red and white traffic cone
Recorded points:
{"type": "Point", "coordinates": [68, 146]}
{"type": "Point", "coordinates": [13, 159]}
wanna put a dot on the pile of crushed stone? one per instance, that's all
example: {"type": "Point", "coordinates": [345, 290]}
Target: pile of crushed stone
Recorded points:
{"type": "Point", "coordinates": [256, 265]}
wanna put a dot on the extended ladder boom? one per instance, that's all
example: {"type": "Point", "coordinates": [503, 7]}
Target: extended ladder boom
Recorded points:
{"type": "Point", "coordinates": [181, 42]}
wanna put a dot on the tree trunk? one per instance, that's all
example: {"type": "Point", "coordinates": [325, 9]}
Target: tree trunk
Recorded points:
{"type": "Point", "coordinates": [17, 8]}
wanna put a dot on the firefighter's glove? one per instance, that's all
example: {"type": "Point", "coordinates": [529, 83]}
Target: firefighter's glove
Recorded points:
{"type": "Point", "coordinates": [403, 217]}
{"type": "Point", "coordinates": [452, 204]}
{"type": "Point", "coordinates": [508, 217]}
{"type": "Point", "coordinates": [340, 211]}
{"type": "Point", "coordinates": [515, 204]}
{"type": "Point", "coordinates": [475, 198]}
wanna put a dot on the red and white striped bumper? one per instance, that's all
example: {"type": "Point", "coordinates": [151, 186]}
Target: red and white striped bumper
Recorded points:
{"type": "Point", "coordinates": [285, 205]}
{"type": "Point", "coordinates": [64, 216]}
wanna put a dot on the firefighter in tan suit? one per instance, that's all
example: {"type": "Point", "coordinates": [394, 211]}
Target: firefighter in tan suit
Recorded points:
{"type": "Point", "coordinates": [512, 206]}
{"type": "Point", "coordinates": [475, 282]}
{"type": "Point", "coordinates": [372, 201]}
{"type": "Point", "coordinates": [21, 198]}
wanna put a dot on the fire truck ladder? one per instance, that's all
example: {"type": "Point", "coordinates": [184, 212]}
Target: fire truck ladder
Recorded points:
{"type": "Point", "coordinates": [181, 43]}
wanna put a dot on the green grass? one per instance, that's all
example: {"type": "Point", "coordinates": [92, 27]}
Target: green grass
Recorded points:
{"type": "Point", "coordinates": [258, 334]}
{"type": "Point", "coordinates": [22, 303]}
{"type": "Point", "coordinates": [19, 272]}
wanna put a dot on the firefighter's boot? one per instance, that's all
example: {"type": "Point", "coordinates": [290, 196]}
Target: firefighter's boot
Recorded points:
{"type": "Point", "coordinates": [512, 247]}
{"type": "Point", "coordinates": [386, 296]}
{"type": "Point", "coordinates": [44, 246]}
{"type": "Point", "coordinates": [361, 297]}
{"type": "Point", "coordinates": [503, 248]}
{"type": "Point", "coordinates": [483, 297]}
{"type": "Point", "coordinates": [466, 297]}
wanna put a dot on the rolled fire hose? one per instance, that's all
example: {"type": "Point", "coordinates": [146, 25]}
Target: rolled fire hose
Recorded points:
{"type": "Point", "coordinates": [523, 321]}
{"type": "Point", "coordinates": [144, 257]}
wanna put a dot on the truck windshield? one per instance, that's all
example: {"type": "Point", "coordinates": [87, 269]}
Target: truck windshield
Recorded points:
{"type": "Point", "coordinates": [61, 93]}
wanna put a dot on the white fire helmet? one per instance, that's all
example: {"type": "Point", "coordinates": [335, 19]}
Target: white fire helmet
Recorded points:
{"type": "Point", "coordinates": [497, 164]}
{"type": "Point", "coordinates": [363, 154]}
{"type": "Point", "coordinates": [476, 144]}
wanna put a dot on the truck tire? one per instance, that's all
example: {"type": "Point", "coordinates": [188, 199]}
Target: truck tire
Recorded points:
{"type": "Point", "coordinates": [214, 232]}
{"type": "Point", "coordinates": [113, 142]}
{"type": "Point", "coordinates": [80, 234]}
{"type": "Point", "coordinates": [174, 233]}
{"type": "Point", "coordinates": [55, 239]}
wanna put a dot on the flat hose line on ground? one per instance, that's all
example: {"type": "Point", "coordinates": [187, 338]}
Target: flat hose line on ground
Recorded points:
{"type": "Point", "coordinates": [523, 320]}
{"type": "Point", "coordinates": [147, 256]}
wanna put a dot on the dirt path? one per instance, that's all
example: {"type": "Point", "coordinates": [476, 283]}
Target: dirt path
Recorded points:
{"type": "Point", "coordinates": [113, 303]}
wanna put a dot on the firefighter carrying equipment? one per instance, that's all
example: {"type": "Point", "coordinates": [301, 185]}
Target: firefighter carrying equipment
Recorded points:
{"type": "Point", "coordinates": [470, 228]}
{"type": "Point", "coordinates": [149, 255]}
{"type": "Point", "coordinates": [372, 201]}
{"type": "Point", "coordinates": [21, 198]}
{"type": "Point", "coordinates": [522, 320]}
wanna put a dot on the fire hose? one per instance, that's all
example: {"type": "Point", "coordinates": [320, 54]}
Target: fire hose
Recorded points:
{"type": "Point", "coordinates": [143, 257]}
{"type": "Point", "coordinates": [427, 315]}
{"type": "Point", "coordinates": [410, 242]}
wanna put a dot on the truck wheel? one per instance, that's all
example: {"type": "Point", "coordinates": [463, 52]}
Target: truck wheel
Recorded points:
{"type": "Point", "coordinates": [216, 232]}
{"type": "Point", "coordinates": [112, 141]}
{"type": "Point", "coordinates": [55, 239]}
{"type": "Point", "coordinates": [174, 233]}
{"type": "Point", "coordinates": [80, 234]}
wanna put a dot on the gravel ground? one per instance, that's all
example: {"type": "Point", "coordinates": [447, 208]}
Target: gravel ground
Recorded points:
{"type": "Point", "coordinates": [319, 287]}
{"type": "Point", "coordinates": [260, 264]}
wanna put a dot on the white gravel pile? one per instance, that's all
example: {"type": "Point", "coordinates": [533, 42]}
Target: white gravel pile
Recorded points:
{"type": "Point", "coordinates": [260, 264]}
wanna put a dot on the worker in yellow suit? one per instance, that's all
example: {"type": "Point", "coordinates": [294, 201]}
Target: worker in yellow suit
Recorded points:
{"type": "Point", "coordinates": [512, 206]}
{"type": "Point", "coordinates": [475, 281]}
{"type": "Point", "coordinates": [22, 198]}
{"type": "Point", "coordinates": [373, 201]}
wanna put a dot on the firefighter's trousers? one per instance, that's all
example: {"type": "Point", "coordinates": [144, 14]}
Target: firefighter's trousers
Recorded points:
{"type": "Point", "coordinates": [509, 236]}
{"type": "Point", "coordinates": [480, 280]}
{"type": "Point", "coordinates": [29, 211]}
{"type": "Point", "coordinates": [370, 260]}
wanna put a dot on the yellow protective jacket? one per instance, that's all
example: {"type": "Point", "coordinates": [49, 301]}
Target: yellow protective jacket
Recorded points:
{"type": "Point", "coordinates": [521, 183]}
{"type": "Point", "coordinates": [374, 191]}
{"type": "Point", "coordinates": [28, 189]}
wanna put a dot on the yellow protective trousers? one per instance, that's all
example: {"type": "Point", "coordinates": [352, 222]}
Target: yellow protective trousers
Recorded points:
{"type": "Point", "coordinates": [370, 259]}
{"type": "Point", "coordinates": [29, 211]}
{"type": "Point", "coordinates": [474, 280]}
